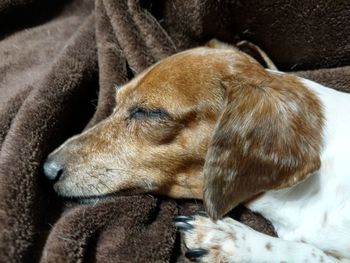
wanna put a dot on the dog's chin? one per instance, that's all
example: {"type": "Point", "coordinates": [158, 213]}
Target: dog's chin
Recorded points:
{"type": "Point", "coordinates": [92, 198]}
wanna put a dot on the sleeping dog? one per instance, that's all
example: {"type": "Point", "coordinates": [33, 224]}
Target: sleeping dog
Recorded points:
{"type": "Point", "coordinates": [211, 123]}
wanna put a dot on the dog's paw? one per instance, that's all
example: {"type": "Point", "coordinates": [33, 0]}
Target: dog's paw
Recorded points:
{"type": "Point", "coordinates": [209, 241]}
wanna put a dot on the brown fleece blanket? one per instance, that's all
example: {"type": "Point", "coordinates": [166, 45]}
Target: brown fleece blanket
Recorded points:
{"type": "Point", "coordinates": [59, 62]}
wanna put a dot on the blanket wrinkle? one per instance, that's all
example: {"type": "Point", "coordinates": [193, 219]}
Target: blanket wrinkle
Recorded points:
{"type": "Point", "coordinates": [19, 147]}
{"type": "Point", "coordinates": [156, 38]}
{"type": "Point", "coordinates": [99, 224]}
{"type": "Point", "coordinates": [60, 62]}
{"type": "Point", "coordinates": [128, 35]}
{"type": "Point", "coordinates": [111, 62]}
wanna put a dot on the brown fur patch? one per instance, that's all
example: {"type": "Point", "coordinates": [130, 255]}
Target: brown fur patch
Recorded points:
{"type": "Point", "coordinates": [268, 246]}
{"type": "Point", "coordinates": [268, 137]}
{"type": "Point", "coordinates": [325, 218]}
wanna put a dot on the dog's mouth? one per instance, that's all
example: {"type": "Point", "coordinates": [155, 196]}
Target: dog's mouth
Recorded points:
{"type": "Point", "coordinates": [91, 199]}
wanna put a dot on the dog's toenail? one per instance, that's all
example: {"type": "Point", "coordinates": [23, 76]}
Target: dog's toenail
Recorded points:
{"type": "Point", "coordinates": [200, 213]}
{"type": "Point", "coordinates": [183, 218]}
{"type": "Point", "coordinates": [196, 253]}
{"type": "Point", "coordinates": [183, 226]}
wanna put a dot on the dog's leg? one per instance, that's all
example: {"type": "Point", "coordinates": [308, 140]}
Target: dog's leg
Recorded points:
{"type": "Point", "coordinates": [229, 241]}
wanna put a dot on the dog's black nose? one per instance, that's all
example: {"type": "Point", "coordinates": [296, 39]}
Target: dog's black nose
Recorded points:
{"type": "Point", "coordinates": [53, 169]}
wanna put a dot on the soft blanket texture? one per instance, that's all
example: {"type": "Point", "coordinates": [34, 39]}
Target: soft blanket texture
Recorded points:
{"type": "Point", "coordinates": [59, 62]}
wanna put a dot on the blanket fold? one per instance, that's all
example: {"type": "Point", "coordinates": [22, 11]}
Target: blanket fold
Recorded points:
{"type": "Point", "coordinates": [60, 63]}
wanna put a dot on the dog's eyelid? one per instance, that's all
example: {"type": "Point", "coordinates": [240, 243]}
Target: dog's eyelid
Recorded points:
{"type": "Point", "coordinates": [139, 112]}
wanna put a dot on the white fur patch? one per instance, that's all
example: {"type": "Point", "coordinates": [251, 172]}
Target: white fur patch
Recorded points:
{"type": "Point", "coordinates": [230, 241]}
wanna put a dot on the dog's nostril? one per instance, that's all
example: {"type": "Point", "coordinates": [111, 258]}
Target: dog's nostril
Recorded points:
{"type": "Point", "coordinates": [53, 170]}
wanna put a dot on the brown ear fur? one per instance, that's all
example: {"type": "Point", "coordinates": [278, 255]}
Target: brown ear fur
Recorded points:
{"type": "Point", "coordinates": [268, 137]}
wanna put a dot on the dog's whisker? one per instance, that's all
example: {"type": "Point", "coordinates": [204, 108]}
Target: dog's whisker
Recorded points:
{"type": "Point", "coordinates": [105, 185]}
{"type": "Point", "coordinates": [95, 203]}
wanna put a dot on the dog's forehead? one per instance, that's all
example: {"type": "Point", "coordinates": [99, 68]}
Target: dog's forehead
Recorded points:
{"type": "Point", "coordinates": [182, 80]}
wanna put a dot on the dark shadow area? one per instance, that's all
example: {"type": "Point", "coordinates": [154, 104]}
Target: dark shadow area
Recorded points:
{"type": "Point", "coordinates": [26, 14]}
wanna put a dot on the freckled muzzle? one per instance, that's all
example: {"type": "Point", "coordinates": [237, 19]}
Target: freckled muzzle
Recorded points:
{"type": "Point", "coordinates": [61, 168]}
{"type": "Point", "coordinates": [72, 153]}
{"type": "Point", "coordinates": [91, 163]}
{"type": "Point", "coordinates": [59, 162]}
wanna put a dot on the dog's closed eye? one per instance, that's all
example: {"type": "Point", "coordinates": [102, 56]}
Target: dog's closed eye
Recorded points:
{"type": "Point", "coordinates": [141, 113]}
{"type": "Point", "coordinates": [156, 125]}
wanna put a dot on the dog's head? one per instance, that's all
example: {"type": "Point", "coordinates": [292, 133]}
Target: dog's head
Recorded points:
{"type": "Point", "coordinates": [205, 123]}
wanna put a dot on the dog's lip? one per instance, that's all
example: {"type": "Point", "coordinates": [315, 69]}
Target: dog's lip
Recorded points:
{"type": "Point", "coordinates": [107, 196]}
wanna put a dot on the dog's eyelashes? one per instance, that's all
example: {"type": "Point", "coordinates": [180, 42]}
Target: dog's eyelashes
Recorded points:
{"type": "Point", "coordinates": [141, 113]}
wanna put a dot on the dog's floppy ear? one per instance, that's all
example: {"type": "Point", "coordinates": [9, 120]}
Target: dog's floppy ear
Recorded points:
{"type": "Point", "coordinates": [268, 136]}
